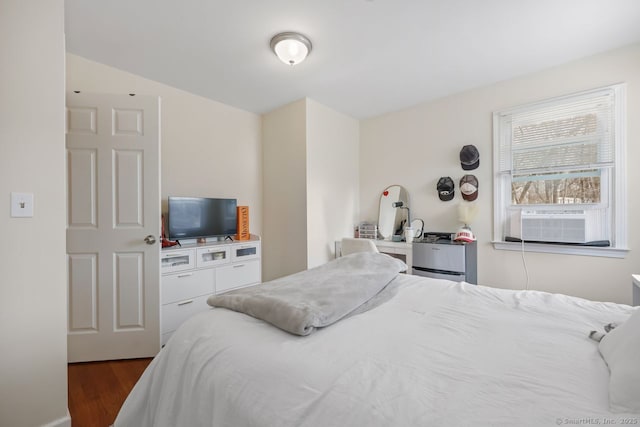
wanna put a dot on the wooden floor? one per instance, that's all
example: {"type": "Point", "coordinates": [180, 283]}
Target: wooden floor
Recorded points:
{"type": "Point", "coordinates": [98, 389]}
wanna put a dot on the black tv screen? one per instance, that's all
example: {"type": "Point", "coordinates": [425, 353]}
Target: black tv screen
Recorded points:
{"type": "Point", "coordinates": [196, 217]}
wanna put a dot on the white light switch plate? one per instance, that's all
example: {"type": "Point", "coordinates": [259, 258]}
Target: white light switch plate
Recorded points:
{"type": "Point", "coordinates": [22, 205]}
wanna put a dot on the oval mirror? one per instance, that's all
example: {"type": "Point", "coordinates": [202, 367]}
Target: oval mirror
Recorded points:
{"type": "Point", "coordinates": [389, 217]}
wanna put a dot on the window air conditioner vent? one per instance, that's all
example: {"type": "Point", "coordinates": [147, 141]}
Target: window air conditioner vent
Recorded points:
{"type": "Point", "coordinates": [560, 227]}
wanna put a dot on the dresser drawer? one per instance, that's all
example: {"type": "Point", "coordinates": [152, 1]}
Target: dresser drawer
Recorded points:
{"type": "Point", "coordinates": [175, 313]}
{"type": "Point", "coordinates": [237, 275]}
{"type": "Point", "coordinates": [245, 251]}
{"type": "Point", "coordinates": [182, 286]}
{"type": "Point", "coordinates": [446, 257]}
{"type": "Point", "coordinates": [179, 260]}
{"type": "Point", "coordinates": [215, 255]}
{"type": "Point", "coordinates": [391, 247]}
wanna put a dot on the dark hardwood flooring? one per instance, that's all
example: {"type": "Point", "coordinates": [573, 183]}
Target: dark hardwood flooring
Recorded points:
{"type": "Point", "coordinates": [98, 389]}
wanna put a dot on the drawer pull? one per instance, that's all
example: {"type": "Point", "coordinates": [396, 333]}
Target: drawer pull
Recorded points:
{"type": "Point", "coordinates": [185, 302]}
{"type": "Point", "coordinates": [238, 265]}
{"type": "Point", "coordinates": [174, 256]}
{"type": "Point", "coordinates": [184, 275]}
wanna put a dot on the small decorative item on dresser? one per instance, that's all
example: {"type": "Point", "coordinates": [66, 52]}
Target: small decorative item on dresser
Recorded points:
{"type": "Point", "coordinates": [418, 225]}
{"type": "Point", "coordinates": [367, 230]}
{"type": "Point", "coordinates": [409, 234]}
{"type": "Point", "coordinates": [466, 214]}
{"type": "Point", "coordinates": [243, 223]}
{"type": "Point", "coordinates": [166, 242]}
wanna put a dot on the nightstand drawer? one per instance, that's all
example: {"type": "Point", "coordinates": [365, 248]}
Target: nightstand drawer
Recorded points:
{"type": "Point", "coordinates": [237, 275]}
{"type": "Point", "coordinates": [176, 313]}
{"type": "Point", "coordinates": [182, 286]}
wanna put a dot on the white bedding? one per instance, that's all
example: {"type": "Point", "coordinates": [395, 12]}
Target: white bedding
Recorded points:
{"type": "Point", "coordinates": [437, 354]}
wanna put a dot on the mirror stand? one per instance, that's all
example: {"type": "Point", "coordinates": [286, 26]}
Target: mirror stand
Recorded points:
{"type": "Point", "coordinates": [389, 215]}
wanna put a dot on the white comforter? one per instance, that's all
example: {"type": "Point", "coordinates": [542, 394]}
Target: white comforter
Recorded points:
{"type": "Point", "coordinates": [437, 354]}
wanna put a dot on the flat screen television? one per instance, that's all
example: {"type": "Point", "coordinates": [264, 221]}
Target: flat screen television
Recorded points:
{"type": "Point", "coordinates": [201, 217]}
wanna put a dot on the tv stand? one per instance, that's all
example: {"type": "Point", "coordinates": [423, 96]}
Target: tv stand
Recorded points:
{"type": "Point", "coordinates": [208, 240]}
{"type": "Point", "coordinates": [196, 270]}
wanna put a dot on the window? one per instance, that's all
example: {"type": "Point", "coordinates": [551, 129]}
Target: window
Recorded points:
{"type": "Point", "coordinates": [559, 174]}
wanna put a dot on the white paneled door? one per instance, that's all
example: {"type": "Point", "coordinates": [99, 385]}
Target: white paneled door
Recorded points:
{"type": "Point", "coordinates": [113, 224]}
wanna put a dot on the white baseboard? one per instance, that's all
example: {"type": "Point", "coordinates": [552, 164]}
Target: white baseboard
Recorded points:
{"type": "Point", "coordinates": [62, 422]}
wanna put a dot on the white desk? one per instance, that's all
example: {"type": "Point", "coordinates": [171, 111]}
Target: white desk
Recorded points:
{"type": "Point", "coordinates": [401, 250]}
{"type": "Point", "coordinates": [635, 280]}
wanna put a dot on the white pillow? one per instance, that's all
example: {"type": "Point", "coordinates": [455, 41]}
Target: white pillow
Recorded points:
{"type": "Point", "coordinates": [620, 348]}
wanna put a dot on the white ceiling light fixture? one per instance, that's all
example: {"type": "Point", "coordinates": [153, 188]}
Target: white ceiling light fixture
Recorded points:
{"type": "Point", "coordinates": [292, 48]}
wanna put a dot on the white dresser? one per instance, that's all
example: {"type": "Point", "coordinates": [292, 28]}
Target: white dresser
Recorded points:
{"type": "Point", "coordinates": [400, 250]}
{"type": "Point", "coordinates": [193, 272]}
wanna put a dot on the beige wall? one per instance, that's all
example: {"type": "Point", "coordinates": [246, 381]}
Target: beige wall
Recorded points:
{"type": "Point", "coordinates": [33, 289]}
{"type": "Point", "coordinates": [416, 146]}
{"type": "Point", "coordinates": [332, 180]}
{"type": "Point", "coordinates": [284, 246]}
{"type": "Point", "coordinates": [310, 185]}
{"type": "Point", "coordinates": [208, 149]}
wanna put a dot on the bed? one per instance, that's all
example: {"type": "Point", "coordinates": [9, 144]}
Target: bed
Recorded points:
{"type": "Point", "coordinates": [421, 352]}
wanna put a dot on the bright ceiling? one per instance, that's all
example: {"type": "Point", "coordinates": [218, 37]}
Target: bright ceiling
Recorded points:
{"type": "Point", "coordinates": [369, 57]}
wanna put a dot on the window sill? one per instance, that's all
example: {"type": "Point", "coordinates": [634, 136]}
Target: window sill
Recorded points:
{"type": "Point", "coordinates": [562, 249]}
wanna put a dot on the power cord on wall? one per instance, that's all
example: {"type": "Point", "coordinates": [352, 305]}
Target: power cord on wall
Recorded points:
{"type": "Point", "coordinates": [524, 263]}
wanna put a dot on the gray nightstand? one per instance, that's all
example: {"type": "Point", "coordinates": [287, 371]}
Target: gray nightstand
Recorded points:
{"type": "Point", "coordinates": [636, 288]}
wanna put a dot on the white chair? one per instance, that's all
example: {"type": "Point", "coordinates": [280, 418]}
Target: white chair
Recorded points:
{"type": "Point", "coordinates": [351, 245]}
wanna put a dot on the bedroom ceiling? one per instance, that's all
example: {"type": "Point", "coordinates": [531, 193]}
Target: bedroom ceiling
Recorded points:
{"type": "Point", "coordinates": [369, 57]}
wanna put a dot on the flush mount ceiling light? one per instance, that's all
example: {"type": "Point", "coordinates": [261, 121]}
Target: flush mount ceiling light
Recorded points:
{"type": "Point", "coordinates": [291, 48]}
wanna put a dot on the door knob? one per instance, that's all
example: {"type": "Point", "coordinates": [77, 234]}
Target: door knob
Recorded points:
{"type": "Point", "coordinates": [149, 240]}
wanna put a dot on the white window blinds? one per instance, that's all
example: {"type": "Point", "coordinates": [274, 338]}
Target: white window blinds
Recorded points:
{"type": "Point", "coordinates": [572, 134]}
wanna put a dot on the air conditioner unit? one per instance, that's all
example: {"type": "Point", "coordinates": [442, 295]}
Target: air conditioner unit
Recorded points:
{"type": "Point", "coordinates": [553, 226]}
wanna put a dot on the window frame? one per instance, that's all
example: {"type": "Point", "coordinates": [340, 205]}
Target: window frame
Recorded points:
{"type": "Point", "coordinates": [617, 198]}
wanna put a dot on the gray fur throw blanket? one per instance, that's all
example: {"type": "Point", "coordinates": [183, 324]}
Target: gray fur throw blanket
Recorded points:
{"type": "Point", "coordinates": [315, 298]}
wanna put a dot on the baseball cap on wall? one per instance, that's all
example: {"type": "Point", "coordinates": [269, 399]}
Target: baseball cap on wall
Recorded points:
{"type": "Point", "coordinates": [469, 187]}
{"type": "Point", "coordinates": [469, 157]}
{"type": "Point", "coordinates": [445, 188]}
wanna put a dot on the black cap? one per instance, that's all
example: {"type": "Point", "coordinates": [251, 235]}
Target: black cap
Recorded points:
{"type": "Point", "coordinates": [445, 188]}
{"type": "Point", "coordinates": [469, 157]}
